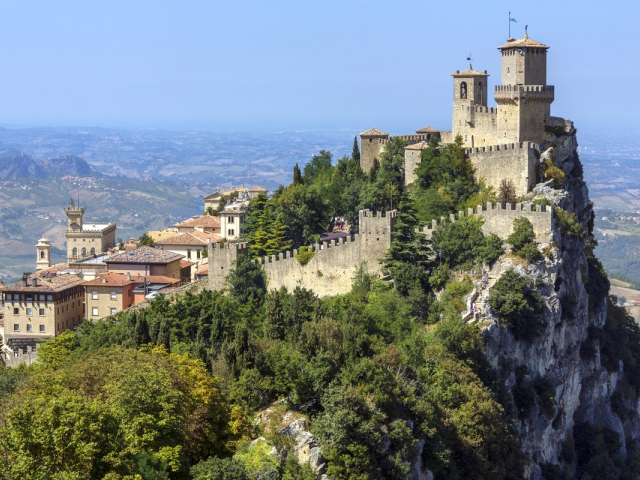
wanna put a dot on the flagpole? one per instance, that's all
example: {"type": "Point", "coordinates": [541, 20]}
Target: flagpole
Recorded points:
{"type": "Point", "coordinates": [509, 25]}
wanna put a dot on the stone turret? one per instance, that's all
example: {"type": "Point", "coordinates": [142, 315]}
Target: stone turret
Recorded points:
{"type": "Point", "coordinates": [372, 144]}
{"type": "Point", "coordinates": [524, 98]}
{"type": "Point", "coordinates": [74, 216]}
{"type": "Point", "coordinates": [43, 253]}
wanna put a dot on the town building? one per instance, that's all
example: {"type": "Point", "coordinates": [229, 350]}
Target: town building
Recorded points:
{"type": "Point", "coordinates": [148, 261]}
{"type": "Point", "coordinates": [42, 305]}
{"type": "Point", "coordinates": [86, 239]}
{"type": "Point", "coordinates": [192, 245]}
{"type": "Point", "coordinates": [232, 223]}
{"type": "Point", "coordinates": [243, 194]}
{"type": "Point", "coordinates": [203, 223]}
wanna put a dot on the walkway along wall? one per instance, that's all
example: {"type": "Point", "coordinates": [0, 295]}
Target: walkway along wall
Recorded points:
{"type": "Point", "coordinates": [498, 219]}
{"type": "Point", "coordinates": [332, 268]}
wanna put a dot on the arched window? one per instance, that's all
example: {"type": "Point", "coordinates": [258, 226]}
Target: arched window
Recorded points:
{"type": "Point", "coordinates": [480, 92]}
{"type": "Point", "coordinates": [93, 251]}
{"type": "Point", "coordinates": [84, 252]}
{"type": "Point", "coordinates": [42, 254]}
{"type": "Point", "coordinates": [463, 90]}
{"type": "Point", "coordinates": [75, 252]}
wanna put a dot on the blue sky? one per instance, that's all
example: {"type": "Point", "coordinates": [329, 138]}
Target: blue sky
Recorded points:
{"type": "Point", "coordinates": [300, 64]}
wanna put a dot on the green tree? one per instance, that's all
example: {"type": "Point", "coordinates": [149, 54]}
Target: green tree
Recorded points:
{"type": "Point", "coordinates": [247, 281]}
{"type": "Point", "coordinates": [522, 239]}
{"type": "Point", "coordinates": [219, 469]}
{"type": "Point", "coordinates": [297, 176]}
{"type": "Point", "coordinates": [318, 165]}
{"type": "Point", "coordinates": [145, 240]}
{"type": "Point", "coordinates": [355, 153]}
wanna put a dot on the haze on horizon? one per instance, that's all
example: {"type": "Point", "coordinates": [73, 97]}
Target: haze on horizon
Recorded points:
{"type": "Point", "coordinates": [285, 64]}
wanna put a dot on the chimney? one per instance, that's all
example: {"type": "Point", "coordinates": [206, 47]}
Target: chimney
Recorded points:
{"type": "Point", "coordinates": [24, 281]}
{"type": "Point", "coordinates": [128, 276]}
{"type": "Point", "coordinates": [34, 281]}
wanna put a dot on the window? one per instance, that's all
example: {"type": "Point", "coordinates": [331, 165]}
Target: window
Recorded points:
{"type": "Point", "coordinates": [16, 327]}
{"type": "Point", "coordinates": [463, 90]}
{"type": "Point", "coordinates": [29, 327]}
{"type": "Point", "coordinates": [113, 295]}
{"type": "Point", "coordinates": [50, 298]}
{"type": "Point", "coordinates": [231, 219]}
{"type": "Point", "coordinates": [29, 311]}
{"type": "Point", "coordinates": [113, 311]}
{"type": "Point", "coordinates": [93, 251]}
{"type": "Point", "coordinates": [94, 311]}
{"type": "Point", "coordinates": [41, 298]}
{"type": "Point", "coordinates": [16, 311]}
{"type": "Point", "coordinates": [29, 298]}
{"type": "Point", "coordinates": [41, 327]}
{"type": "Point", "coordinates": [41, 311]}
{"type": "Point", "coordinates": [94, 294]}
{"type": "Point", "coordinates": [84, 252]}
{"type": "Point", "coordinates": [8, 296]}
{"type": "Point", "coordinates": [197, 253]}
{"type": "Point", "coordinates": [480, 92]}
{"type": "Point", "coordinates": [75, 252]}
{"type": "Point", "coordinates": [188, 253]}
{"type": "Point", "coordinates": [42, 254]}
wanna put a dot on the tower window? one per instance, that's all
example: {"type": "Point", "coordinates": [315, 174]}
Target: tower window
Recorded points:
{"type": "Point", "coordinates": [42, 254]}
{"type": "Point", "coordinates": [463, 90]}
{"type": "Point", "coordinates": [75, 252]}
{"type": "Point", "coordinates": [480, 92]}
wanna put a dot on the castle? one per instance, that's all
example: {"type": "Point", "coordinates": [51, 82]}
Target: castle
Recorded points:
{"type": "Point", "coordinates": [502, 143]}
{"type": "Point", "coordinates": [84, 240]}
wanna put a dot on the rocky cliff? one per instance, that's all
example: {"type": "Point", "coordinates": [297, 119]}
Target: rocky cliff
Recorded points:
{"type": "Point", "coordinates": [562, 367]}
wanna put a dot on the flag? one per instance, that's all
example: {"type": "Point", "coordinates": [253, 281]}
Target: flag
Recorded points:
{"type": "Point", "coordinates": [511, 19]}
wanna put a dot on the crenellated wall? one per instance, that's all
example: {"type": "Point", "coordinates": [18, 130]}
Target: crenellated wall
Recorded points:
{"type": "Point", "coordinates": [333, 266]}
{"type": "Point", "coordinates": [517, 162]}
{"type": "Point", "coordinates": [498, 219]}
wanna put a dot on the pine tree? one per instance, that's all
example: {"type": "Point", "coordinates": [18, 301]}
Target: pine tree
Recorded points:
{"type": "Point", "coordinates": [163, 335]}
{"type": "Point", "coordinates": [141, 332]}
{"type": "Point", "coordinates": [297, 175]}
{"type": "Point", "coordinates": [355, 154]}
{"type": "Point", "coordinates": [373, 174]}
{"type": "Point", "coordinates": [274, 316]}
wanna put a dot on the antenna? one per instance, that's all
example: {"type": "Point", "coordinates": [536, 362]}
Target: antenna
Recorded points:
{"type": "Point", "coordinates": [469, 59]}
{"type": "Point", "coordinates": [78, 193]}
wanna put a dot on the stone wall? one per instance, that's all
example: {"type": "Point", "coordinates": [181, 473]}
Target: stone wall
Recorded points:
{"type": "Point", "coordinates": [411, 161]}
{"type": "Point", "coordinates": [332, 268]}
{"type": "Point", "coordinates": [12, 358]}
{"type": "Point", "coordinates": [498, 219]}
{"type": "Point", "coordinates": [517, 162]}
{"type": "Point", "coordinates": [476, 124]}
{"type": "Point", "coordinates": [370, 149]}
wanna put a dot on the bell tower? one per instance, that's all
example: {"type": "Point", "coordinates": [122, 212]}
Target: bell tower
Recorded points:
{"type": "Point", "coordinates": [469, 92]}
{"type": "Point", "coordinates": [74, 216]}
{"type": "Point", "coordinates": [43, 253]}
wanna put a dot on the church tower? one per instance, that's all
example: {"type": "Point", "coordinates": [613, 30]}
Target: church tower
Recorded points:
{"type": "Point", "coordinates": [524, 98]}
{"type": "Point", "coordinates": [43, 252]}
{"type": "Point", "coordinates": [469, 92]}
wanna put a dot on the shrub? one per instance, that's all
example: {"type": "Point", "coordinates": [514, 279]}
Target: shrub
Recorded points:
{"type": "Point", "coordinates": [304, 255]}
{"type": "Point", "coordinates": [518, 306]}
{"type": "Point", "coordinates": [463, 243]}
{"type": "Point", "coordinates": [542, 201]}
{"type": "Point", "coordinates": [507, 191]}
{"type": "Point", "coordinates": [568, 222]}
{"type": "Point", "coordinates": [522, 239]}
{"type": "Point", "coordinates": [552, 172]}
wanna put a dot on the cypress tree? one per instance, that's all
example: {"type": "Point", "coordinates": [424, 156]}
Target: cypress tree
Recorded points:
{"type": "Point", "coordinates": [356, 151]}
{"type": "Point", "coordinates": [163, 336]}
{"type": "Point", "coordinates": [297, 175]}
{"type": "Point", "coordinates": [141, 332]}
{"type": "Point", "coordinates": [274, 317]}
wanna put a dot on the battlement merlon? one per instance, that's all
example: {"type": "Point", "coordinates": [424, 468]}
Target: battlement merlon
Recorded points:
{"type": "Point", "coordinates": [527, 93]}
{"type": "Point", "coordinates": [503, 147]}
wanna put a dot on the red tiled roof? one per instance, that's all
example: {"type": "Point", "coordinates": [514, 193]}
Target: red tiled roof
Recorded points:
{"type": "Point", "coordinates": [195, 237]}
{"type": "Point", "coordinates": [185, 263]}
{"type": "Point", "coordinates": [201, 221]}
{"type": "Point", "coordinates": [203, 269]}
{"type": "Point", "coordinates": [145, 255]}
{"type": "Point", "coordinates": [110, 279]}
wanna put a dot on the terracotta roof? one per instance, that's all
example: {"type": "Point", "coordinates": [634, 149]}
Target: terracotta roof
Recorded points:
{"type": "Point", "coordinates": [57, 283]}
{"type": "Point", "coordinates": [201, 221]}
{"type": "Point", "coordinates": [203, 269]}
{"type": "Point", "coordinates": [522, 42]}
{"type": "Point", "coordinates": [145, 255]}
{"type": "Point", "coordinates": [374, 132]}
{"type": "Point", "coordinates": [58, 267]}
{"type": "Point", "coordinates": [155, 279]}
{"type": "Point", "coordinates": [470, 72]}
{"type": "Point", "coordinates": [195, 237]}
{"type": "Point", "coordinates": [427, 129]}
{"type": "Point", "coordinates": [257, 188]}
{"type": "Point", "coordinates": [110, 279]}
{"type": "Point", "coordinates": [185, 263]}
{"type": "Point", "coordinates": [417, 146]}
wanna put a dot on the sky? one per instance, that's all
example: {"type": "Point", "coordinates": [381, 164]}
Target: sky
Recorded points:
{"type": "Point", "coordinates": [268, 65]}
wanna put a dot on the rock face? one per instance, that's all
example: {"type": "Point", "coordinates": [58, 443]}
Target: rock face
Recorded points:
{"type": "Point", "coordinates": [20, 167]}
{"type": "Point", "coordinates": [582, 388]}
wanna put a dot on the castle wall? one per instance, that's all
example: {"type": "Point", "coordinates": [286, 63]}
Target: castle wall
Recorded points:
{"type": "Point", "coordinates": [499, 219]}
{"type": "Point", "coordinates": [329, 272]}
{"type": "Point", "coordinates": [516, 162]}
{"type": "Point", "coordinates": [476, 124]}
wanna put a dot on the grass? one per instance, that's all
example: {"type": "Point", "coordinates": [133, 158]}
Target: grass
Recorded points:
{"type": "Point", "coordinates": [619, 283]}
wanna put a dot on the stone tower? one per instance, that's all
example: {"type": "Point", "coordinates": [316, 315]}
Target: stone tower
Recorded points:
{"type": "Point", "coordinates": [74, 216]}
{"type": "Point", "coordinates": [524, 98]}
{"type": "Point", "coordinates": [469, 92]}
{"type": "Point", "coordinates": [43, 252]}
{"type": "Point", "coordinates": [372, 144]}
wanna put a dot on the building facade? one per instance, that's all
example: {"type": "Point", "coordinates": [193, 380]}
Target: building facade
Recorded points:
{"type": "Point", "coordinates": [86, 239]}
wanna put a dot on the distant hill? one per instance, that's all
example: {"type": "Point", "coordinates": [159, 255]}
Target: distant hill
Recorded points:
{"type": "Point", "coordinates": [22, 167]}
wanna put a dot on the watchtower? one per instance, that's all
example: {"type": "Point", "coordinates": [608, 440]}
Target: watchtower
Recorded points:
{"type": "Point", "coordinates": [372, 144]}
{"type": "Point", "coordinates": [43, 253]}
{"type": "Point", "coordinates": [469, 91]}
{"type": "Point", "coordinates": [524, 98]}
